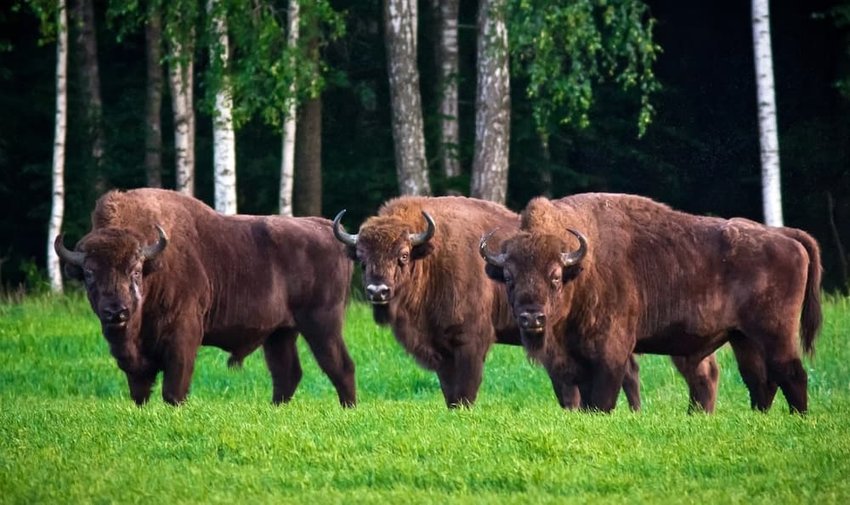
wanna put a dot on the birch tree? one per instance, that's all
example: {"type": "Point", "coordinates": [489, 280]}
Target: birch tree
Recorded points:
{"type": "Point", "coordinates": [180, 34]}
{"type": "Point", "coordinates": [768, 139]}
{"type": "Point", "coordinates": [153, 97]}
{"type": "Point", "coordinates": [446, 13]}
{"type": "Point", "coordinates": [492, 104]}
{"type": "Point", "coordinates": [224, 137]}
{"type": "Point", "coordinates": [287, 163]}
{"type": "Point", "coordinates": [400, 19]}
{"type": "Point", "coordinates": [57, 210]}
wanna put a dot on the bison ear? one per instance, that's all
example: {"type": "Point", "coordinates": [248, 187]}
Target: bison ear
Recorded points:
{"type": "Point", "coordinates": [351, 252]}
{"type": "Point", "coordinates": [151, 266]}
{"type": "Point", "coordinates": [420, 251]}
{"type": "Point", "coordinates": [494, 272]}
{"type": "Point", "coordinates": [73, 272]}
{"type": "Point", "coordinates": [570, 273]}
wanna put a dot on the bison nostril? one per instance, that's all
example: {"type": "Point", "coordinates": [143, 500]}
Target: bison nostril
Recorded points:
{"type": "Point", "coordinates": [116, 314]}
{"type": "Point", "coordinates": [531, 319]}
{"type": "Point", "coordinates": [378, 292]}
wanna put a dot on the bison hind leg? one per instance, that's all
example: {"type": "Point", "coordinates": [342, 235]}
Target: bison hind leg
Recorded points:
{"type": "Point", "coordinates": [792, 379]}
{"type": "Point", "coordinates": [631, 384]}
{"type": "Point", "coordinates": [753, 370]}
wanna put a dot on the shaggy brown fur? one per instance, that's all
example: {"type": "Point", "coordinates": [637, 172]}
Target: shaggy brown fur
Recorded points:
{"type": "Point", "coordinates": [441, 307]}
{"type": "Point", "coordinates": [660, 281]}
{"type": "Point", "coordinates": [442, 310]}
{"type": "Point", "coordinates": [234, 282]}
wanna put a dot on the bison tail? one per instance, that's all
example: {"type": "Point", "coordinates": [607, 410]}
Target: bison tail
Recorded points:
{"type": "Point", "coordinates": [812, 317]}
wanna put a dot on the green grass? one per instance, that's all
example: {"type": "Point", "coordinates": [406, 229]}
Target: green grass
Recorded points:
{"type": "Point", "coordinates": [69, 432]}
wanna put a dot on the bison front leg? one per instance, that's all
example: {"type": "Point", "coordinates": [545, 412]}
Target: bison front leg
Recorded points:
{"type": "Point", "coordinates": [701, 378]}
{"type": "Point", "coordinates": [177, 374]}
{"type": "Point", "coordinates": [606, 383]}
{"type": "Point", "coordinates": [568, 394]}
{"type": "Point", "coordinates": [282, 359]}
{"type": "Point", "coordinates": [460, 376]}
{"type": "Point", "coordinates": [140, 384]}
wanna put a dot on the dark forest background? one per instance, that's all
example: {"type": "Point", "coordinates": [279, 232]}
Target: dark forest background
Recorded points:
{"type": "Point", "coordinates": [700, 154]}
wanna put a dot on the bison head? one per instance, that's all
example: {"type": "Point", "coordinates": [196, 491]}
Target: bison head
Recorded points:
{"type": "Point", "coordinates": [536, 270]}
{"type": "Point", "coordinates": [111, 263]}
{"type": "Point", "coordinates": [387, 249]}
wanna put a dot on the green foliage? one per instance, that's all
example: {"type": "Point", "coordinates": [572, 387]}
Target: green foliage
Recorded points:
{"type": "Point", "coordinates": [69, 433]}
{"type": "Point", "coordinates": [264, 68]}
{"type": "Point", "coordinates": [564, 49]}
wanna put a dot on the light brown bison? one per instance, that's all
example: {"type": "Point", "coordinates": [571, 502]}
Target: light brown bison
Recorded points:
{"type": "Point", "coordinates": [646, 278]}
{"type": "Point", "coordinates": [424, 278]}
{"type": "Point", "coordinates": [166, 274]}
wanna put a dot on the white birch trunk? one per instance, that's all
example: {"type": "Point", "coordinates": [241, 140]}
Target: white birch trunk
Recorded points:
{"type": "Point", "coordinates": [57, 211]}
{"type": "Point", "coordinates": [287, 159]}
{"type": "Point", "coordinates": [180, 78]}
{"type": "Point", "coordinates": [224, 138]}
{"type": "Point", "coordinates": [400, 18]}
{"type": "Point", "coordinates": [492, 105]}
{"type": "Point", "coordinates": [770, 175]}
{"type": "Point", "coordinates": [448, 62]}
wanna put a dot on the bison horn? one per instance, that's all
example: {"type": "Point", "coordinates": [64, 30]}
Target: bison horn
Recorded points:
{"type": "Point", "coordinates": [571, 258]}
{"type": "Point", "coordinates": [150, 252]}
{"type": "Point", "coordinates": [420, 238]}
{"type": "Point", "coordinates": [72, 257]}
{"type": "Point", "coordinates": [345, 238]}
{"type": "Point", "coordinates": [496, 261]}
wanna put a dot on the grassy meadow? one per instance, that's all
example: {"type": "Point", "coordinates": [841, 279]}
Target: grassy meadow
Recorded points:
{"type": "Point", "coordinates": [69, 432]}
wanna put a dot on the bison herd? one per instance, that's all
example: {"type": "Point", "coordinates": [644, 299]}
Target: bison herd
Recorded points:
{"type": "Point", "coordinates": [582, 283]}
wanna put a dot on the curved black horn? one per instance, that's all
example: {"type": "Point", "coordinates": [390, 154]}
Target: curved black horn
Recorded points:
{"type": "Point", "coordinates": [72, 257]}
{"type": "Point", "coordinates": [571, 258]}
{"type": "Point", "coordinates": [420, 238]}
{"type": "Point", "coordinates": [151, 251]}
{"type": "Point", "coordinates": [497, 260]}
{"type": "Point", "coordinates": [345, 238]}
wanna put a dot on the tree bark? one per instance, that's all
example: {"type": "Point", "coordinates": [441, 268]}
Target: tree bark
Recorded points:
{"type": "Point", "coordinates": [447, 62]}
{"type": "Point", "coordinates": [400, 18]}
{"type": "Point", "coordinates": [86, 47]}
{"type": "Point", "coordinates": [287, 159]}
{"type": "Point", "coordinates": [57, 209]}
{"type": "Point", "coordinates": [308, 158]}
{"type": "Point", "coordinates": [224, 137]}
{"type": "Point", "coordinates": [842, 256]}
{"type": "Point", "coordinates": [180, 73]}
{"type": "Point", "coordinates": [153, 99]}
{"type": "Point", "coordinates": [492, 105]}
{"type": "Point", "coordinates": [770, 175]}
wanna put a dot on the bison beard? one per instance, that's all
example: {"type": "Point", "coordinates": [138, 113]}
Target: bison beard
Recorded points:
{"type": "Point", "coordinates": [234, 282]}
{"type": "Point", "coordinates": [657, 280]}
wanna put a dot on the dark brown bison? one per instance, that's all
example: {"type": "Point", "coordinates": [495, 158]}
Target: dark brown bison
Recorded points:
{"type": "Point", "coordinates": [166, 274]}
{"type": "Point", "coordinates": [645, 278]}
{"type": "Point", "coordinates": [423, 276]}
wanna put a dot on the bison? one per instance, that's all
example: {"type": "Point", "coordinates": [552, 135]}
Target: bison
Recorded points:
{"type": "Point", "coordinates": [166, 274]}
{"type": "Point", "coordinates": [423, 277]}
{"type": "Point", "coordinates": [646, 278]}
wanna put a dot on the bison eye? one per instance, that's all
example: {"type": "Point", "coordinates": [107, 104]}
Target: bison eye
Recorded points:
{"type": "Point", "coordinates": [88, 276]}
{"type": "Point", "coordinates": [509, 279]}
{"type": "Point", "coordinates": [404, 258]}
{"type": "Point", "coordinates": [136, 276]}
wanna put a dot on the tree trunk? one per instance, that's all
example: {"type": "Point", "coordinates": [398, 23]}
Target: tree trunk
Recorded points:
{"type": "Point", "coordinates": [57, 210]}
{"type": "Point", "coordinates": [447, 62]}
{"type": "Point", "coordinates": [770, 175]}
{"type": "Point", "coordinates": [86, 47]}
{"type": "Point", "coordinates": [308, 158]}
{"type": "Point", "coordinates": [224, 138]}
{"type": "Point", "coordinates": [180, 73]}
{"type": "Point", "coordinates": [287, 159]}
{"type": "Point", "coordinates": [400, 18]}
{"type": "Point", "coordinates": [153, 99]}
{"type": "Point", "coordinates": [842, 256]}
{"type": "Point", "coordinates": [492, 105]}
